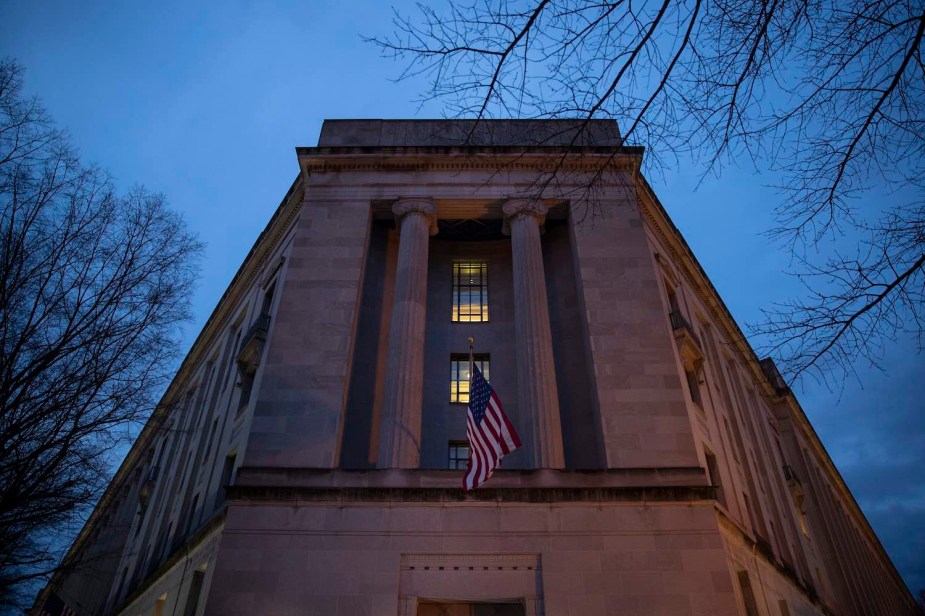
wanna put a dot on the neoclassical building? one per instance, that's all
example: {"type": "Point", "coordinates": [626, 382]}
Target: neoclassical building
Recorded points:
{"type": "Point", "coordinates": [308, 456]}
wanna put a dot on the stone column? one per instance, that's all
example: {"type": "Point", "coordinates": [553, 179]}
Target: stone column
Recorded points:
{"type": "Point", "coordinates": [400, 425]}
{"type": "Point", "coordinates": [537, 394]}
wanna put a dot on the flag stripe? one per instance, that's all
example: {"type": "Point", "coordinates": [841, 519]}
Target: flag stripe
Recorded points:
{"type": "Point", "coordinates": [490, 433]}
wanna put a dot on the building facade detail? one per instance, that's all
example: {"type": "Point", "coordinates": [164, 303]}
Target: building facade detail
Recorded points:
{"type": "Point", "coordinates": [536, 372]}
{"type": "Point", "coordinates": [308, 456]}
{"type": "Point", "coordinates": [400, 429]}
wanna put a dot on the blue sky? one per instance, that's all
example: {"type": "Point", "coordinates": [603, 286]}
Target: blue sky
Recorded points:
{"type": "Point", "coordinates": [207, 103]}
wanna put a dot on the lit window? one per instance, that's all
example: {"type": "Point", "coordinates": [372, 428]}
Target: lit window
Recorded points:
{"type": "Point", "coordinates": [459, 455]}
{"type": "Point", "coordinates": [470, 292]}
{"type": "Point", "coordinates": [459, 375]}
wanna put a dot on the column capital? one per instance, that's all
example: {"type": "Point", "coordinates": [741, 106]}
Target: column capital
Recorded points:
{"type": "Point", "coordinates": [516, 209]}
{"type": "Point", "coordinates": [424, 206]}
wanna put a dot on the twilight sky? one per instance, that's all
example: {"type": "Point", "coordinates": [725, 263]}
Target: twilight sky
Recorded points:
{"type": "Point", "coordinates": [207, 104]}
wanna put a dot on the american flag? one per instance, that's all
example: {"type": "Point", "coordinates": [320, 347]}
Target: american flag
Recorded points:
{"type": "Point", "coordinates": [491, 435]}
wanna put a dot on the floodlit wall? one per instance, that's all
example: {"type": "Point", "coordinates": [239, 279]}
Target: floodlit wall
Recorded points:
{"type": "Point", "coordinates": [692, 482]}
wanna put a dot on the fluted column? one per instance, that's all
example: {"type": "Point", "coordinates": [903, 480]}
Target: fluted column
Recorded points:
{"type": "Point", "coordinates": [400, 427]}
{"type": "Point", "coordinates": [537, 394]}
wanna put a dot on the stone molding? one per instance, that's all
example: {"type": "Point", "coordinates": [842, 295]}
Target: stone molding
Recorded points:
{"type": "Point", "coordinates": [287, 477]}
{"type": "Point", "coordinates": [263, 494]}
{"type": "Point", "coordinates": [493, 159]}
{"type": "Point", "coordinates": [424, 206]}
{"type": "Point", "coordinates": [502, 561]}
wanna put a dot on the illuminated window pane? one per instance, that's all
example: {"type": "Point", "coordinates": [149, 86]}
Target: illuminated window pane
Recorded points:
{"type": "Point", "coordinates": [470, 292]}
{"type": "Point", "coordinates": [459, 375]}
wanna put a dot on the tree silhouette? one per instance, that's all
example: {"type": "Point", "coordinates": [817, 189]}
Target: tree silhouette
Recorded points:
{"type": "Point", "coordinates": [826, 95]}
{"type": "Point", "coordinates": [92, 287]}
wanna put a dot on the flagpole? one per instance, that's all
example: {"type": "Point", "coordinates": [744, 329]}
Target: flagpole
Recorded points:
{"type": "Point", "coordinates": [471, 362]}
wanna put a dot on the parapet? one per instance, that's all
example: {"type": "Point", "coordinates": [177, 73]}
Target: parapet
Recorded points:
{"type": "Point", "coordinates": [430, 133]}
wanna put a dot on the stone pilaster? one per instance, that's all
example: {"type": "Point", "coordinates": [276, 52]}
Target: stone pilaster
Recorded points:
{"type": "Point", "coordinates": [538, 398]}
{"type": "Point", "coordinates": [400, 426]}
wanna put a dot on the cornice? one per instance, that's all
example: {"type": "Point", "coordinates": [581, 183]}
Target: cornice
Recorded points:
{"type": "Point", "coordinates": [449, 159]}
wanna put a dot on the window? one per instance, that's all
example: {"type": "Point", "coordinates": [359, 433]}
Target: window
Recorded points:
{"type": "Point", "coordinates": [192, 516]}
{"type": "Point", "coordinates": [713, 470]}
{"type": "Point", "coordinates": [459, 375]}
{"type": "Point", "coordinates": [268, 299]}
{"type": "Point", "coordinates": [672, 299]}
{"type": "Point", "coordinates": [165, 547]}
{"type": "Point", "coordinates": [195, 592]}
{"type": "Point", "coordinates": [745, 585]}
{"type": "Point", "coordinates": [226, 480]}
{"type": "Point", "coordinates": [247, 387]}
{"type": "Point", "coordinates": [459, 455]}
{"type": "Point", "coordinates": [122, 583]}
{"type": "Point", "coordinates": [205, 458]}
{"type": "Point", "coordinates": [693, 384]}
{"type": "Point", "coordinates": [470, 292]}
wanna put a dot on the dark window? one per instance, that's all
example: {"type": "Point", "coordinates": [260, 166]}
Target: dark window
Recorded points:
{"type": "Point", "coordinates": [165, 547]}
{"type": "Point", "coordinates": [784, 608]}
{"type": "Point", "coordinates": [470, 292]}
{"type": "Point", "coordinates": [268, 299]}
{"type": "Point", "coordinates": [748, 597]}
{"type": "Point", "coordinates": [459, 375]}
{"type": "Point", "coordinates": [694, 386]}
{"type": "Point", "coordinates": [459, 454]}
{"type": "Point", "coordinates": [236, 332]}
{"type": "Point", "coordinates": [208, 451]}
{"type": "Point", "coordinates": [672, 299]}
{"type": "Point", "coordinates": [713, 470]}
{"type": "Point", "coordinates": [247, 386]}
{"type": "Point", "coordinates": [192, 516]}
{"type": "Point", "coordinates": [122, 588]}
{"type": "Point", "coordinates": [195, 590]}
{"type": "Point", "coordinates": [226, 480]}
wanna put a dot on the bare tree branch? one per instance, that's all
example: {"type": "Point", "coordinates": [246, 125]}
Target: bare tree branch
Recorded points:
{"type": "Point", "coordinates": [828, 95]}
{"type": "Point", "coordinates": [93, 285]}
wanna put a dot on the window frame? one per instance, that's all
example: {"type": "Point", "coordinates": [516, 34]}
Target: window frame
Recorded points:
{"type": "Point", "coordinates": [460, 463]}
{"type": "Point", "coordinates": [479, 291]}
{"type": "Point", "coordinates": [457, 360]}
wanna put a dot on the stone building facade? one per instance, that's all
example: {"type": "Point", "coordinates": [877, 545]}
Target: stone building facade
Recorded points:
{"type": "Point", "coordinates": [307, 457]}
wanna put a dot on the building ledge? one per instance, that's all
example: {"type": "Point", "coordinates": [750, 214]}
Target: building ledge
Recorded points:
{"type": "Point", "coordinates": [238, 494]}
{"type": "Point", "coordinates": [396, 478]}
